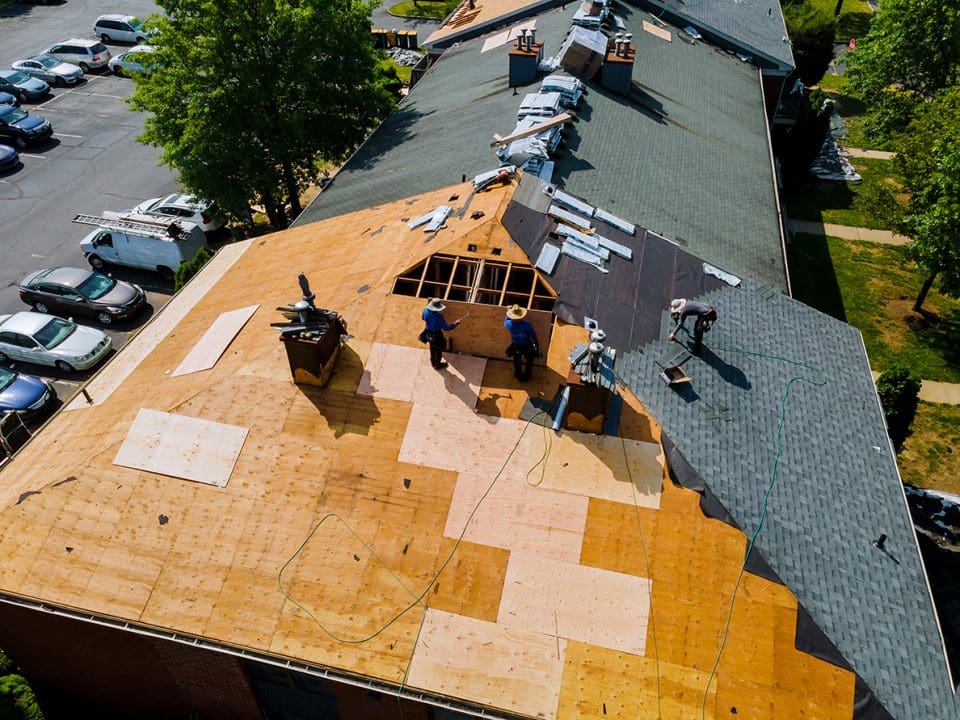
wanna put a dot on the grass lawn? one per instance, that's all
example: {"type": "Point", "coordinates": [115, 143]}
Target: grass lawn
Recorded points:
{"type": "Point", "coordinates": [831, 201]}
{"type": "Point", "coordinates": [929, 458]}
{"type": "Point", "coordinates": [422, 8]}
{"type": "Point", "coordinates": [870, 287]}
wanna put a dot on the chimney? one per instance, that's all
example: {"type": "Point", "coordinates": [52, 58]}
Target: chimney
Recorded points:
{"type": "Point", "coordinates": [617, 71]}
{"type": "Point", "coordinates": [312, 338]}
{"type": "Point", "coordinates": [524, 59]}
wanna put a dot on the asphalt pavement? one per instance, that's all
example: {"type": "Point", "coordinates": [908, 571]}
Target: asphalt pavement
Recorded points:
{"type": "Point", "coordinates": [93, 163]}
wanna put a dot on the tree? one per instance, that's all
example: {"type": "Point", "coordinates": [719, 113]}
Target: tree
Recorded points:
{"type": "Point", "coordinates": [812, 32]}
{"type": "Point", "coordinates": [898, 389]}
{"type": "Point", "coordinates": [248, 97]}
{"type": "Point", "coordinates": [928, 159]}
{"type": "Point", "coordinates": [913, 45]}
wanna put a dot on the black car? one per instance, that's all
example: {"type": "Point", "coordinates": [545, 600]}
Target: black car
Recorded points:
{"type": "Point", "coordinates": [21, 128]}
{"type": "Point", "coordinates": [69, 291]}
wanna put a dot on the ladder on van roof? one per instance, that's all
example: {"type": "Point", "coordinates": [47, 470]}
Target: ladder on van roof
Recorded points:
{"type": "Point", "coordinates": [168, 229]}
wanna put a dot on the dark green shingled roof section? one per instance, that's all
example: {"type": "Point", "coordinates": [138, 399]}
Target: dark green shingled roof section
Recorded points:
{"type": "Point", "coordinates": [754, 27]}
{"type": "Point", "coordinates": [837, 487]}
{"type": "Point", "coordinates": [686, 154]}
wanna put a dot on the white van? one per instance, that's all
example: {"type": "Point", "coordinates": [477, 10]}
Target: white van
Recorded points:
{"type": "Point", "coordinates": [140, 241]}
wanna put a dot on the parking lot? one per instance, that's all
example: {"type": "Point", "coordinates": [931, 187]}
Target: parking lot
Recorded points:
{"type": "Point", "coordinates": [93, 163]}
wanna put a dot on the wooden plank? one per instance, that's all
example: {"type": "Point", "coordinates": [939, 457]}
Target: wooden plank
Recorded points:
{"type": "Point", "coordinates": [405, 373]}
{"type": "Point", "coordinates": [572, 601]}
{"type": "Point", "coordinates": [553, 122]}
{"type": "Point", "coordinates": [215, 341]}
{"type": "Point", "coordinates": [514, 670]}
{"type": "Point", "coordinates": [516, 516]}
{"type": "Point", "coordinates": [182, 446]}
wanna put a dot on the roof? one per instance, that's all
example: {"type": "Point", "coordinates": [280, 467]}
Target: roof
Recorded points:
{"type": "Point", "coordinates": [467, 22]}
{"type": "Point", "coordinates": [823, 490]}
{"type": "Point", "coordinates": [686, 155]}
{"type": "Point", "coordinates": [753, 27]}
{"type": "Point", "coordinates": [397, 525]}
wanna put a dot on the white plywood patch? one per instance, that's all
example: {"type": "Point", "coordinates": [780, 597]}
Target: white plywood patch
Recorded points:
{"type": "Point", "coordinates": [404, 373]}
{"type": "Point", "coordinates": [486, 663]}
{"type": "Point", "coordinates": [182, 446]}
{"type": "Point", "coordinates": [215, 340]}
{"type": "Point", "coordinates": [455, 437]}
{"type": "Point", "coordinates": [144, 342]}
{"type": "Point", "coordinates": [518, 517]}
{"type": "Point", "coordinates": [603, 466]}
{"type": "Point", "coordinates": [576, 602]}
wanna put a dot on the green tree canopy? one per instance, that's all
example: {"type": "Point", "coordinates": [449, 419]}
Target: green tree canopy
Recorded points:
{"type": "Point", "coordinates": [247, 97]}
{"type": "Point", "coordinates": [812, 32]}
{"type": "Point", "coordinates": [912, 45]}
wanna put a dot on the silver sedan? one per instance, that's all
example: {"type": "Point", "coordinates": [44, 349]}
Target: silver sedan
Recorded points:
{"type": "Point", "coordinates": [50, 70]}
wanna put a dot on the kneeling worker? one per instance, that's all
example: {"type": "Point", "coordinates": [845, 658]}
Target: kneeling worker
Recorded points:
{"type": "Point", "coordinates": [706, 315]}
{"type": "Point", "coordinates": [433, 326]}
{"type": "Point", "coordinates": [524, 346]}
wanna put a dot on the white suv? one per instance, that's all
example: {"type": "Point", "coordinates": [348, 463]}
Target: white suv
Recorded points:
{"type": "Point", "coordinates": [88, 54]}
{"type": "Point", "coordinates": [125, 28]}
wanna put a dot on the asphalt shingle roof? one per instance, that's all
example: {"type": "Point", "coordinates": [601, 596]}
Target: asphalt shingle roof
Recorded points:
{"type": "Point", "coordinates": [754, 27]}
{"type": "Point", "coordinates": [837, 488]}
{"type": "Point", "coordinates": [686, 154]}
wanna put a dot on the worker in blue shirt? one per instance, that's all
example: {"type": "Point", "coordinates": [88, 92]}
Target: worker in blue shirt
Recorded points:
{"type": "Point", "coordinates": [524, 346]}
{"type": "Point", "coordinates": [706, 315]}
{"type": "Point", "coordinates": [434, 325]}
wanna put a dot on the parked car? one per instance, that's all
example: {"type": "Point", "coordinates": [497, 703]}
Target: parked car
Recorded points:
{"type": "Point", "coordinates": [24, 394]}
{"type": "Point", "coordinates": [21, 127]}
{"type": "Point", "coordinates": [71, 291]}
{"type": "Point", "coordinates": [88, 54]}
{"type": "Point", "coordinates": [8, 99]}
{"type": "Point", "coordinates": [205, 215]}
{"type": "Point", "coordinates": [135, 60]}
{"type": "Point", "coordinates": [22, 85]}
{"type": "Point", "coordinates": [9, 158]}
{"type": "Point", "coordinates": [125, 28]}
{"type": "Point", "coordinates": [45, 340]}
{"type": "Point", "coordinates": [50, 70]}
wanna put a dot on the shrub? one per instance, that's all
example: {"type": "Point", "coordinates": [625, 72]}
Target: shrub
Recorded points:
{"type": "Point", "coordinates": [190, 268]}
{"type": "Point", "coordinates": [898, 389]}
{"type": "Point", "coordinates": [812, 32]}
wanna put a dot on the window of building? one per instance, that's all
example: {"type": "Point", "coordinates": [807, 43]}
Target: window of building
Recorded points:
{"type": "Point", "coordinates": [476, 280]}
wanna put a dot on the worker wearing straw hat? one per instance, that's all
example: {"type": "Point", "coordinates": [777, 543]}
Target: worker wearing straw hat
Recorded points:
{"type": "Point", "coordinates": [524, 346]}
{"type": "Point", "coordinates": [434, 325]}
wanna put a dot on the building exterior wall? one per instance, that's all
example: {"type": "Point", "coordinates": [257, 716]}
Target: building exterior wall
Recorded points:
{"type": "Point", "coordinates": [123, 671]}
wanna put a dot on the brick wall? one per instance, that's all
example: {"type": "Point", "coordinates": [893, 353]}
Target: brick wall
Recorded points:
{"type": "Point", "coordinates": [122, 671]}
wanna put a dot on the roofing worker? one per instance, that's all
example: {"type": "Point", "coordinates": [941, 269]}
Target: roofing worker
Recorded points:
{"type": "Point", "coordinates": [524, 346]}
{"type": "Point", "coordinates": [706, 315]}
{"type": "Point", "coordinates": [434, 325]}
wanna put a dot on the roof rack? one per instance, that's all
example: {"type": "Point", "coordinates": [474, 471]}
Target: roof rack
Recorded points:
{"type": "Point", "coordinates": [169, 229]}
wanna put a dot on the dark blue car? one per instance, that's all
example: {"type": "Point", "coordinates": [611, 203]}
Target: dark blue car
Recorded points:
{"type": "Point", "coordinates": [24, 394]}
{"type": "Point", "coordinates": [9, 159]}
{"type": "Point", "coordinates": [22, 128]}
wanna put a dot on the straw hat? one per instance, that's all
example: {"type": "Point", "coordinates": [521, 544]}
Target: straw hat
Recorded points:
{"type": "Point", "coordinates": [515, 312]}
{"type": "Point", "coordinates": [435, 305]}
{"type": "Point", "coordinates": [676, 306]}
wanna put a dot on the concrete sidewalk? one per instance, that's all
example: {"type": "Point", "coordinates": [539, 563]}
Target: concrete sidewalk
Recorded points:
{"type": "Point", "coordinates": [934, 391]}
{"type": "Point", "coordinates": [846, 232]}
{"type": "Point", "coordinates": [861, 153]}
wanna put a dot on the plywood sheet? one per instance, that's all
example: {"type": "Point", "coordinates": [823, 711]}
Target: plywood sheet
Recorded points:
{"type": "Point", "coordinates": [405, 373]}
{"type": "Point", "coordinates": [514, 515]}
{"type": "Point", "coordinates": [603, 466]}
{"type": "Point", "coordinates": [576, 602]}
{"type": "Point", "coordinates": [182, 446]}
{"type": "Point", "coordinates": [515, 670]}
{"type": "Point", "coordinates": [143, 344]}
{"type": "Point", "coordinates": [215, 340]}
